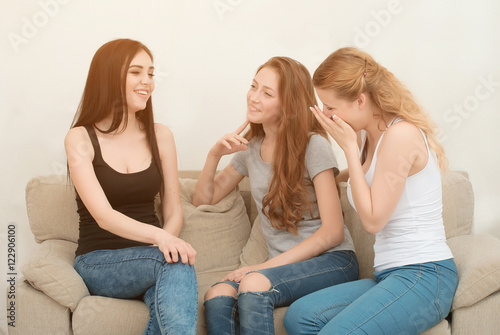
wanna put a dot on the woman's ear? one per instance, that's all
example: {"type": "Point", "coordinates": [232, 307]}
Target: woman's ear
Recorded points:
{"type": "Point", "coordinates": [362, 101]}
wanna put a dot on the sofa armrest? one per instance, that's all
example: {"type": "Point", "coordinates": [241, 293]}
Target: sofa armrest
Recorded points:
{"type": "Point", "coordinates": [478, 262]}
{"type": "Point", "coordinates": [50, 269]}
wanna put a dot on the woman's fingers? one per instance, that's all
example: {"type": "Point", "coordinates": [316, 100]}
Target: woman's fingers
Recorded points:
{"type": "Point", "coordinates": [324, 120]}
{"type": "Point", "coordinates": [340, 130]}
{"type": "Point", "coordinates": [230, 139]}
{"type": "Point", "coordinates": [229, 276]}
{"type": "Point", "coordinates": [232, 142]}
{"type": "Point", "coordinates": [180, 251]}
{"type": "Point", "coordinates": [168, 257]}
{"type": "Point", "coordinates": [236, 137]}
{"type": "Point", "coordinates": [233, 276]}
{"type": "Point", "coordinates": [174, 255]}
{"type": "Point", "coordinates": [238, 140]}
{"type": "Point", "coordinates": [240, 129]}
{"type": "Point", "coordinates": [241, 139]}
{"type": "Point", "coordinates": [238, 274]}
{"type": "Point", "coordinates": [226, 143]}
{"type": "Point", "coordinates": [190, 254]}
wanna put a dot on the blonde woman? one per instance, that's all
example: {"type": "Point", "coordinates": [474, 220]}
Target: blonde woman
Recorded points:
{"type": "Point", "coordinates": [292, 169]}
{"type": "Point", "coordinates": [394, 183]}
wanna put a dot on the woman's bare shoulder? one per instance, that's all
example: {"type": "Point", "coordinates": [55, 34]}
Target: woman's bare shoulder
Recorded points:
{"type": "Point", "coordinates": [76, 135]}
{"type": "Point", "coordinates": [163, 132]}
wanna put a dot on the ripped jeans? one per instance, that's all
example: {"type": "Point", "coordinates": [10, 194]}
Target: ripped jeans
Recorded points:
{"type": "Point", "coordinates": [252, 312]}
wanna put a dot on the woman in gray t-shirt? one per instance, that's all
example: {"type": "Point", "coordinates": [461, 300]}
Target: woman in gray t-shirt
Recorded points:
{"type": "Point", "coordinates": [292, 168]}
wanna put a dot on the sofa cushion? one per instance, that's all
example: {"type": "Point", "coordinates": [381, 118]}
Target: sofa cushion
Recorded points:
{"type": "Point", "coordinates": [104, 316]}
{"type": "Point", "coordinates": [478, 262]}
{"type": "Point", "coordinates": [255, 250]}
{"type": "Point", "coordinates": [36, 313]}
{"type": "Point", "coordinates": [480, 318]}
{"type": "Point", "coordinates": [50, 269]}
{"type": "Point", "coordinates": [244, 187]}
{"type": "Point", "coordinates": [363, 241]}
{"type": "Point", "coordinates": [442, 328]}
{"type": "Point", "coordinates": [211, 228]}
{"type": "Point", "coordinates": [458, 203]}
{"type": "Point", "coordinates": [50, 199]}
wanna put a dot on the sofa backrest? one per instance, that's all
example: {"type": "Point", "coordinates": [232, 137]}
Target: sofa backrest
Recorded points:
{"type": "Point", "coordinates": [51, 207]}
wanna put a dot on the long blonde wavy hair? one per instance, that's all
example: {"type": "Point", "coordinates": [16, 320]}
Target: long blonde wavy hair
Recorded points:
{"type": "Point", "coordinates": [287, 196]}
{"type": "Point", "coordinates": [350, 72]}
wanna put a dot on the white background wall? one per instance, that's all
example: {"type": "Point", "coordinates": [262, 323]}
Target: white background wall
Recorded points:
{"type": "Point", "coordinates": [206, 53]}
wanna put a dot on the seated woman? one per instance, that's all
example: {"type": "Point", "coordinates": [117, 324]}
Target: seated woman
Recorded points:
{"type": "Point", "coordinates": [394, 183]}
{"type": "Point", "coordinates": [119, 160]}
{"type": "Point", "coordinates": [292, 169]}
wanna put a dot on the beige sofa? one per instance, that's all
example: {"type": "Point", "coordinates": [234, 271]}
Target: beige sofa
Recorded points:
{"type": "Point", "coordinates": [52, 299]}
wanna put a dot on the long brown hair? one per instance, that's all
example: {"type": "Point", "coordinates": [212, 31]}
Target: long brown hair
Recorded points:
{"type": "Point", "coordinates": [287, 196]}
{"type": "Point", "coordinates": [104, 92]}
{"type": "Point", "coordinates": [350, 72]}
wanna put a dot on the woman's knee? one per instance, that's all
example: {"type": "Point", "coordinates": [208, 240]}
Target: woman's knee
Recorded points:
{"type": "Point", "coordinates": [221, 289]}
{"type": "Point", "coordinates": [254, 282]}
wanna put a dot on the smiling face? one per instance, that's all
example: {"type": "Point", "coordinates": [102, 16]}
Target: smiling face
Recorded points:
{"type": "Point", "coordinates": [263, 100]}
{"type": "Point", "coordinates": [139, 81]}
{"type": "Point", "coordinates": [347, 110]}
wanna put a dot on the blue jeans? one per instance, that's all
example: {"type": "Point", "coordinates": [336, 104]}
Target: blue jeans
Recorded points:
{"type": "Point", "coordinates": [168, 289]}
{"type": "Point", "coordinates": [252, 312]}
{"type": "Point", "coordinates": [403, 300]}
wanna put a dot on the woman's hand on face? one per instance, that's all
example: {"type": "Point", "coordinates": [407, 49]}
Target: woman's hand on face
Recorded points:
{"type": "Point", "coordinates": [231, 143]}
{"type": "Point", "coordinates": [238, 274]}
{"type": "Point", "coordinates": [173, 248]}
{"type": "Point", "coordinates": [341, 132]}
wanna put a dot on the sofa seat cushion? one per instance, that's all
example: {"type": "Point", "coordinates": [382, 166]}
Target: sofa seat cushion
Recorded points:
{"type": "Point", "coordinates": [105, 316]}
{"type": "Point", "coordinates": [442, 328]}
{"type": "Point", "coordinates": [211, 229]}
{"type": "Point", "coordinates": [36, 313]}
{"type": "Point", "coordinates": [478, 262]}
{"type": "Point", "coordinates": [50, 269]}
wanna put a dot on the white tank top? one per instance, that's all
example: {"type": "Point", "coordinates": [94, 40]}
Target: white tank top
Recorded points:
{"type": "Point", "coordinates": [415, 232]}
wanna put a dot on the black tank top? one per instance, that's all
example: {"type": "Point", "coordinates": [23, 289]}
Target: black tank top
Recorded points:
{"type": "Point", "coordinates": [132, 194]}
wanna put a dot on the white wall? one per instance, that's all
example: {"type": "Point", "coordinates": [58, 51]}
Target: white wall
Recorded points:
{"type": "Point", "coordinates": [206, 53]}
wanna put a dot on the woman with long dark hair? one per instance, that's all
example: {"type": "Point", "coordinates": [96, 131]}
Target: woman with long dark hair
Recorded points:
{"type": "Point", "coordinates": [119, 160]}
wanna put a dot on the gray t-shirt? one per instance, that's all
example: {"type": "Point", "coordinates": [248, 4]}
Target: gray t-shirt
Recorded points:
{"type": "Point", "coordinates": [319, 157]}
